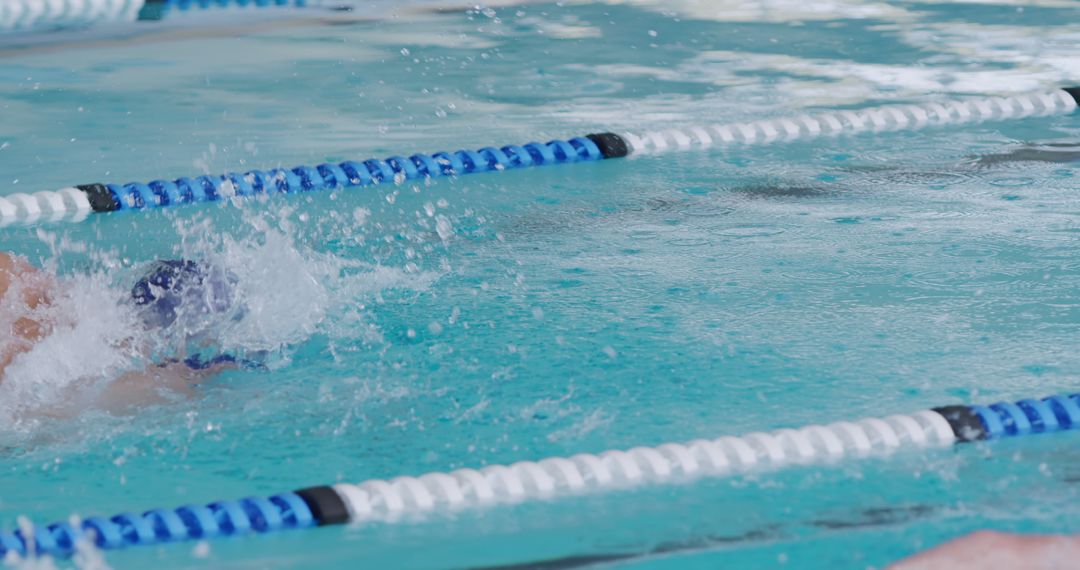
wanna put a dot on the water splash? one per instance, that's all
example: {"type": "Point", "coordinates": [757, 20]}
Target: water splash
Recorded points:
{"type": "Point", "coordinates": [287, 291]}
{"type": "Point", "coordinates": [90, 341]}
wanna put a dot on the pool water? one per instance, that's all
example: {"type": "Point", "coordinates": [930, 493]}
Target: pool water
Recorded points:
{"type": "Point", "coordinates": [551, 311]}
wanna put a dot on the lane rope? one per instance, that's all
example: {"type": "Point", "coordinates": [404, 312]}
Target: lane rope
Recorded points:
{"type": "Point", "coordinates": [18, 15]}
{"type": "Point", "coordinates": [76, 203]}
{"type": "Point", "coordinates": [206, 4]}
{"type": "Point", "coordinates": [161, 9]}
{"type": "Point", "coordinates": [400, 498]}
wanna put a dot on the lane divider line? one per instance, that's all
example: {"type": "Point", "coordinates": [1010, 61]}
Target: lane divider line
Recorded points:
{"type": "Point", "coordinates": [161, 9]}
{"type": "Point", "coordinates": [16, 15]}
{"type": "Point", "coordinates": [67, 204]}
{"type": "Point", "coordinates": [404, 497]}
{"type": "Point", "coordinates": [19, 15]}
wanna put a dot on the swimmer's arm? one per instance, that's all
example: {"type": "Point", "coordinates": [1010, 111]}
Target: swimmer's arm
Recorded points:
{"type": "Point", "coordinates": [989, 550]}
{"type": "Point", "coordinates": [34, 287]}
{"type": "Point", "coordinates": [157, 385]}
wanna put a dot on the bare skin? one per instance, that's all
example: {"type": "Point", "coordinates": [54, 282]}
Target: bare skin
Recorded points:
{"type": "Point", "coordinates": [34, 289]}
{"type": "Point", "coordinates": [135, 389]}
{"type": "Point", "coordinates": [991, 550]}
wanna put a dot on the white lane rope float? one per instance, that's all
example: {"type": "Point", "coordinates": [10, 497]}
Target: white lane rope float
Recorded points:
{"type": "Point", "coordinates": [18, 15]}
{"type": "Point", "coordinates": [401, 498]}
{"type": "Point", "coordinates": [76, 203]}
{"type": "Point", "coordinates": [22, 15]}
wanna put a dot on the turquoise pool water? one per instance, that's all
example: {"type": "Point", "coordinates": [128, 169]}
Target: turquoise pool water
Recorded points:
{"type": "Point", "coordinates": [524, 314]}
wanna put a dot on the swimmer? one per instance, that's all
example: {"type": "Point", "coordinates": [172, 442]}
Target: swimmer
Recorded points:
{"type": "Point", "coordinates": [174, 297]}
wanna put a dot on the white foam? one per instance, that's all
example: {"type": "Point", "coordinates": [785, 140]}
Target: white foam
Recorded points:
{"type": "Point", "coordinates": [288, 291]}
{"type": "Point", "coordinates": [285, 293]}
{"type": "Point", "coordinates": [91, 342]}
{"type": "Point", "coordinates": [773, 10]}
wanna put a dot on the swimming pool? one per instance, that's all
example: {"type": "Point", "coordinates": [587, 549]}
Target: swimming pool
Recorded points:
{"type": "Point", "coordinates": [546, 312]}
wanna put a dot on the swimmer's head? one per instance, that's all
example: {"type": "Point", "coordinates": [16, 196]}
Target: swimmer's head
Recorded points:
{"type": "Point", "coordinates": [175, 289]}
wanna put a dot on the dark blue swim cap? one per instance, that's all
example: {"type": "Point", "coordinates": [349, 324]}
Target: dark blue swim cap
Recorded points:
{"type": "Point", "coordinates": [174, 287]}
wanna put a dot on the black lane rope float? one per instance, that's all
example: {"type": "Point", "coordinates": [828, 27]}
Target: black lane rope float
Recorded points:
{"type": "Point", "coordinates": [77, 202]}
{"type": "Point", "coordinates": [407, 496]}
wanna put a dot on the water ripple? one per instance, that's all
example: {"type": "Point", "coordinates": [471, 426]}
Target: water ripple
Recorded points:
{"type": "Point", "coordinates": [750, 231]}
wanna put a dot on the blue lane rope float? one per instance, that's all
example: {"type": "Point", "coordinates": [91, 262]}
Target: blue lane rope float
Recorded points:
{"type": "Point", "coordinates": [393, 499]}
{"type": "Point", "coordinates": [204, 4]}
{"type": "Point", "coordinates": [77, 202]}
{"type": "Point", "coordinates": [159, 9]}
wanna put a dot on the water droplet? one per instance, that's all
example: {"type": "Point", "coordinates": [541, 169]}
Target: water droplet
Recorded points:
{"type": "Point", "coordinates": [443, 227]}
